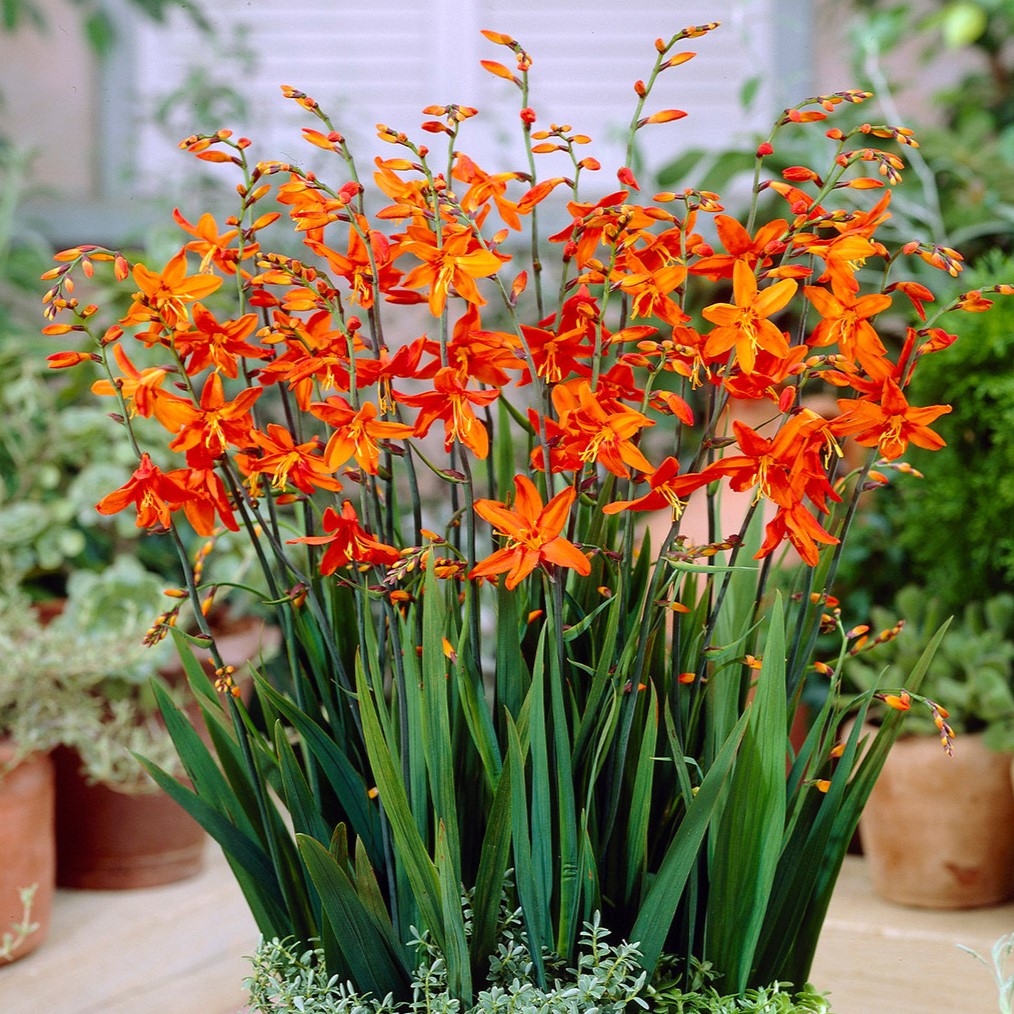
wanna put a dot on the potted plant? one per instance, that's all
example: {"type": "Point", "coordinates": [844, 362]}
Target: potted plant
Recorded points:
{"type": "Point", "coordinates": [115, 828]}
{"type": "Point", "coordinates": [942, 836]}
{"type": "Point", "coordinates": [487, 663]}
{"type": "Point", "coordinates": [27, 874]}
{"type": "Point", "coordinates": [97, 580]}
{"type": "Point", "coordinates": [38, 689]}
{"type": "Point", "coordinates": [607, 978]}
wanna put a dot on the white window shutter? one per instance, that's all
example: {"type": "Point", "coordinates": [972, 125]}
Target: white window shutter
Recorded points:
{"type": "Point", "coordinates": [382, 61]}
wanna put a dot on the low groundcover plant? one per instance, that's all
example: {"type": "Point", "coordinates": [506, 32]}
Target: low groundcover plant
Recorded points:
{"type": "Point", "coordinates": [490, 662]}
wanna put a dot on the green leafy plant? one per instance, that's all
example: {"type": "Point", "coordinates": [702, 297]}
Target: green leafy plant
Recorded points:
{"type": "Point", "coordinates": [954, 519]}
{"type": "Point", "coordinates": [1000, 955]}
{"type": "Point", "coordinates": [19, 931]}
{"type": "Point", "coordinates": [489, 660]}
{"type": "Point", "coordinates": [972, 671]}
{"type": "Point", "coordinates": [97, 23]}
{"type": "Point", "coordinates": [968, 152]}
{"type": "Point", "coordinates": [86, 689]}
{"type": "Point", "coordinates": [607, 978]}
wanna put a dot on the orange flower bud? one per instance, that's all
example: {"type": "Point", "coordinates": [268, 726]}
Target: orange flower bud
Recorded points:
{"type": "Point", "coordinates": [900, 702]}
{"type": "Point", "coordinates": [499, 70]}
{"type": "Point", "coordinates": [663, 116]}
{"type": "Point", "coordinates": [65, 360]}
{"type": "Point", "coordinates": [626, 177]}
{"type": "Point", "coordinates": [518, 287]}
{"type": "Point", "coordinates": [498, 37]}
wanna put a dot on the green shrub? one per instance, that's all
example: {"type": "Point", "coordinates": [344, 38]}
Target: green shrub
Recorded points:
{"type": "Point", "coordinates": [608, 978]}
{"type": "Point", "coordinates": [955, 524]}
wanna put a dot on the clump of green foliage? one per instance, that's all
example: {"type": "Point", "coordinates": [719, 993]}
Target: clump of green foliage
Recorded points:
{"type": "Point", "coordinates": [608, 978]}
{"type": "Point", "coordinates": [954, 524]}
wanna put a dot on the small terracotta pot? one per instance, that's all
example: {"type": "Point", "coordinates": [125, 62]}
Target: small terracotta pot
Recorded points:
{"type": "Point", "coordinates": [110, 840]}
{"type": "Point", "coordinates": [113, 840]}
{"type": "Point", "coordinates": [938, 831]}
{"type": "Point", "coordinates": [27, 846]}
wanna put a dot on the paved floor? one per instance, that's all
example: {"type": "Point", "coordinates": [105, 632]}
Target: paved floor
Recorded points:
{"type": "Point", "coordinates": [180, 950]}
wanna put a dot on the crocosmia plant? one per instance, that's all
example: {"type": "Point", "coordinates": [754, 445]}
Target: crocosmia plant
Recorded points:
{"type": "Point", "coordinates": [466, 418]}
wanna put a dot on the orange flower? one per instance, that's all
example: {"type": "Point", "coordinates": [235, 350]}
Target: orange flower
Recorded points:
{"type": "Point", "coordinates": [890, 424]}
{"type": "Point", "coordinates": [141, 389]}
{"type": "Point", "coordinates": [452, 402]}
{"type": "Point", "coordinates": [900, 702]}
{"type": "Point", "coordinates": [212, 245]}
{"type": "Point", "coordinates": [162, 301]}
{"type": "Point", "coordinates": [385, 368]}
{"type": "Point", "coordinates": [558, 353]}
{"type": "Point", "coordinates": [206, 499]}
{"type": "Point", "coordinates": [348, 541]}
{"type": "Point", "coordinates": [532, 532]}
{"type": "Point", "coordinates": [204, 431]}
{"type": "Point", "coordinates": [154, 494]}
{"type": "Point", "coordinates": [288, 462]}
{"type": "Point", "coordinates": [846, 322]}
{"type": "Point", "coordinates": [482, 188]}
{"type": "Point", "coordinates": [317, 353]}
{"type": "Point", "coordinates": [589, 431]}
{"type": "Point", "coordinates": [484, 356]}
{"type": "Point", "coordinates": [450, 263]}
{"type": "Point", "coordinates": [356, 433]}
{"type": "Point", "coordinates": [650, 290]}
{"type": "Point", "coordinates": [668, 489]}
{"type": "Point", "coordinates": [783, 468]}
{"type": "Point", "coordinates": [767, 241]}
{"type": "Point", "coordinates": [802, 530]}
{"type": "Point", "coordinates": [217, 345]}
{"type": "Point", "coordinates": [363, 268]}
{"type": "Point", "coordinates": [744, 324]}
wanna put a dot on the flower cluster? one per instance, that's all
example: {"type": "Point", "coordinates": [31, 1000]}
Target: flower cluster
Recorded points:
{"type": "Point", "coordinates": [595, 384]}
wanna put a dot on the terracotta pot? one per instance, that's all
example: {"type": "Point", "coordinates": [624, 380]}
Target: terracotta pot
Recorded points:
{"type": "Point", "coordinates": [938, 831]}
{"type": "Point", "coordinates": [27, 847]}
{"type": "Point", "coordinates": [110, 840]}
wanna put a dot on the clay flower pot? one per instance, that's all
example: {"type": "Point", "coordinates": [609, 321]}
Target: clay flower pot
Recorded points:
{"type": "Point", "coordinates": [938, 832]}
{"type": "Point", "coordinates": [111, 840]}
{"type": "Point", "coordinates": [27, 847]}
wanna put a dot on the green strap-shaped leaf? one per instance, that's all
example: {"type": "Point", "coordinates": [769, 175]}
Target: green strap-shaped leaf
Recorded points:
{"type": "Point", "coordinates": [489, 877]}
{"type": "Point", "coordinates": [542, 848]}
{"type": "Point", "coordinates": [534, 903]}
{"type": "Point", "coordinates": [376, 966]}
{"type": "Point", "coordinates": [419, 868]}
{"type": "Point", "coordinates": [659, 906]}
{"type": "Point", "coordinates": [640, 798]}
{"type": "Point", "coordinates": [346, 782]}
{"type": "Point", "coordinates": [455, 950]}
{"type": "Point", "coordinates": [299, 801]}
{"type": "Point", "coordinates": [436, 719]}
{"type": "Point", "coordinates": [250, 864]}
{"type": "Point", "coordinates": [746, 841]}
